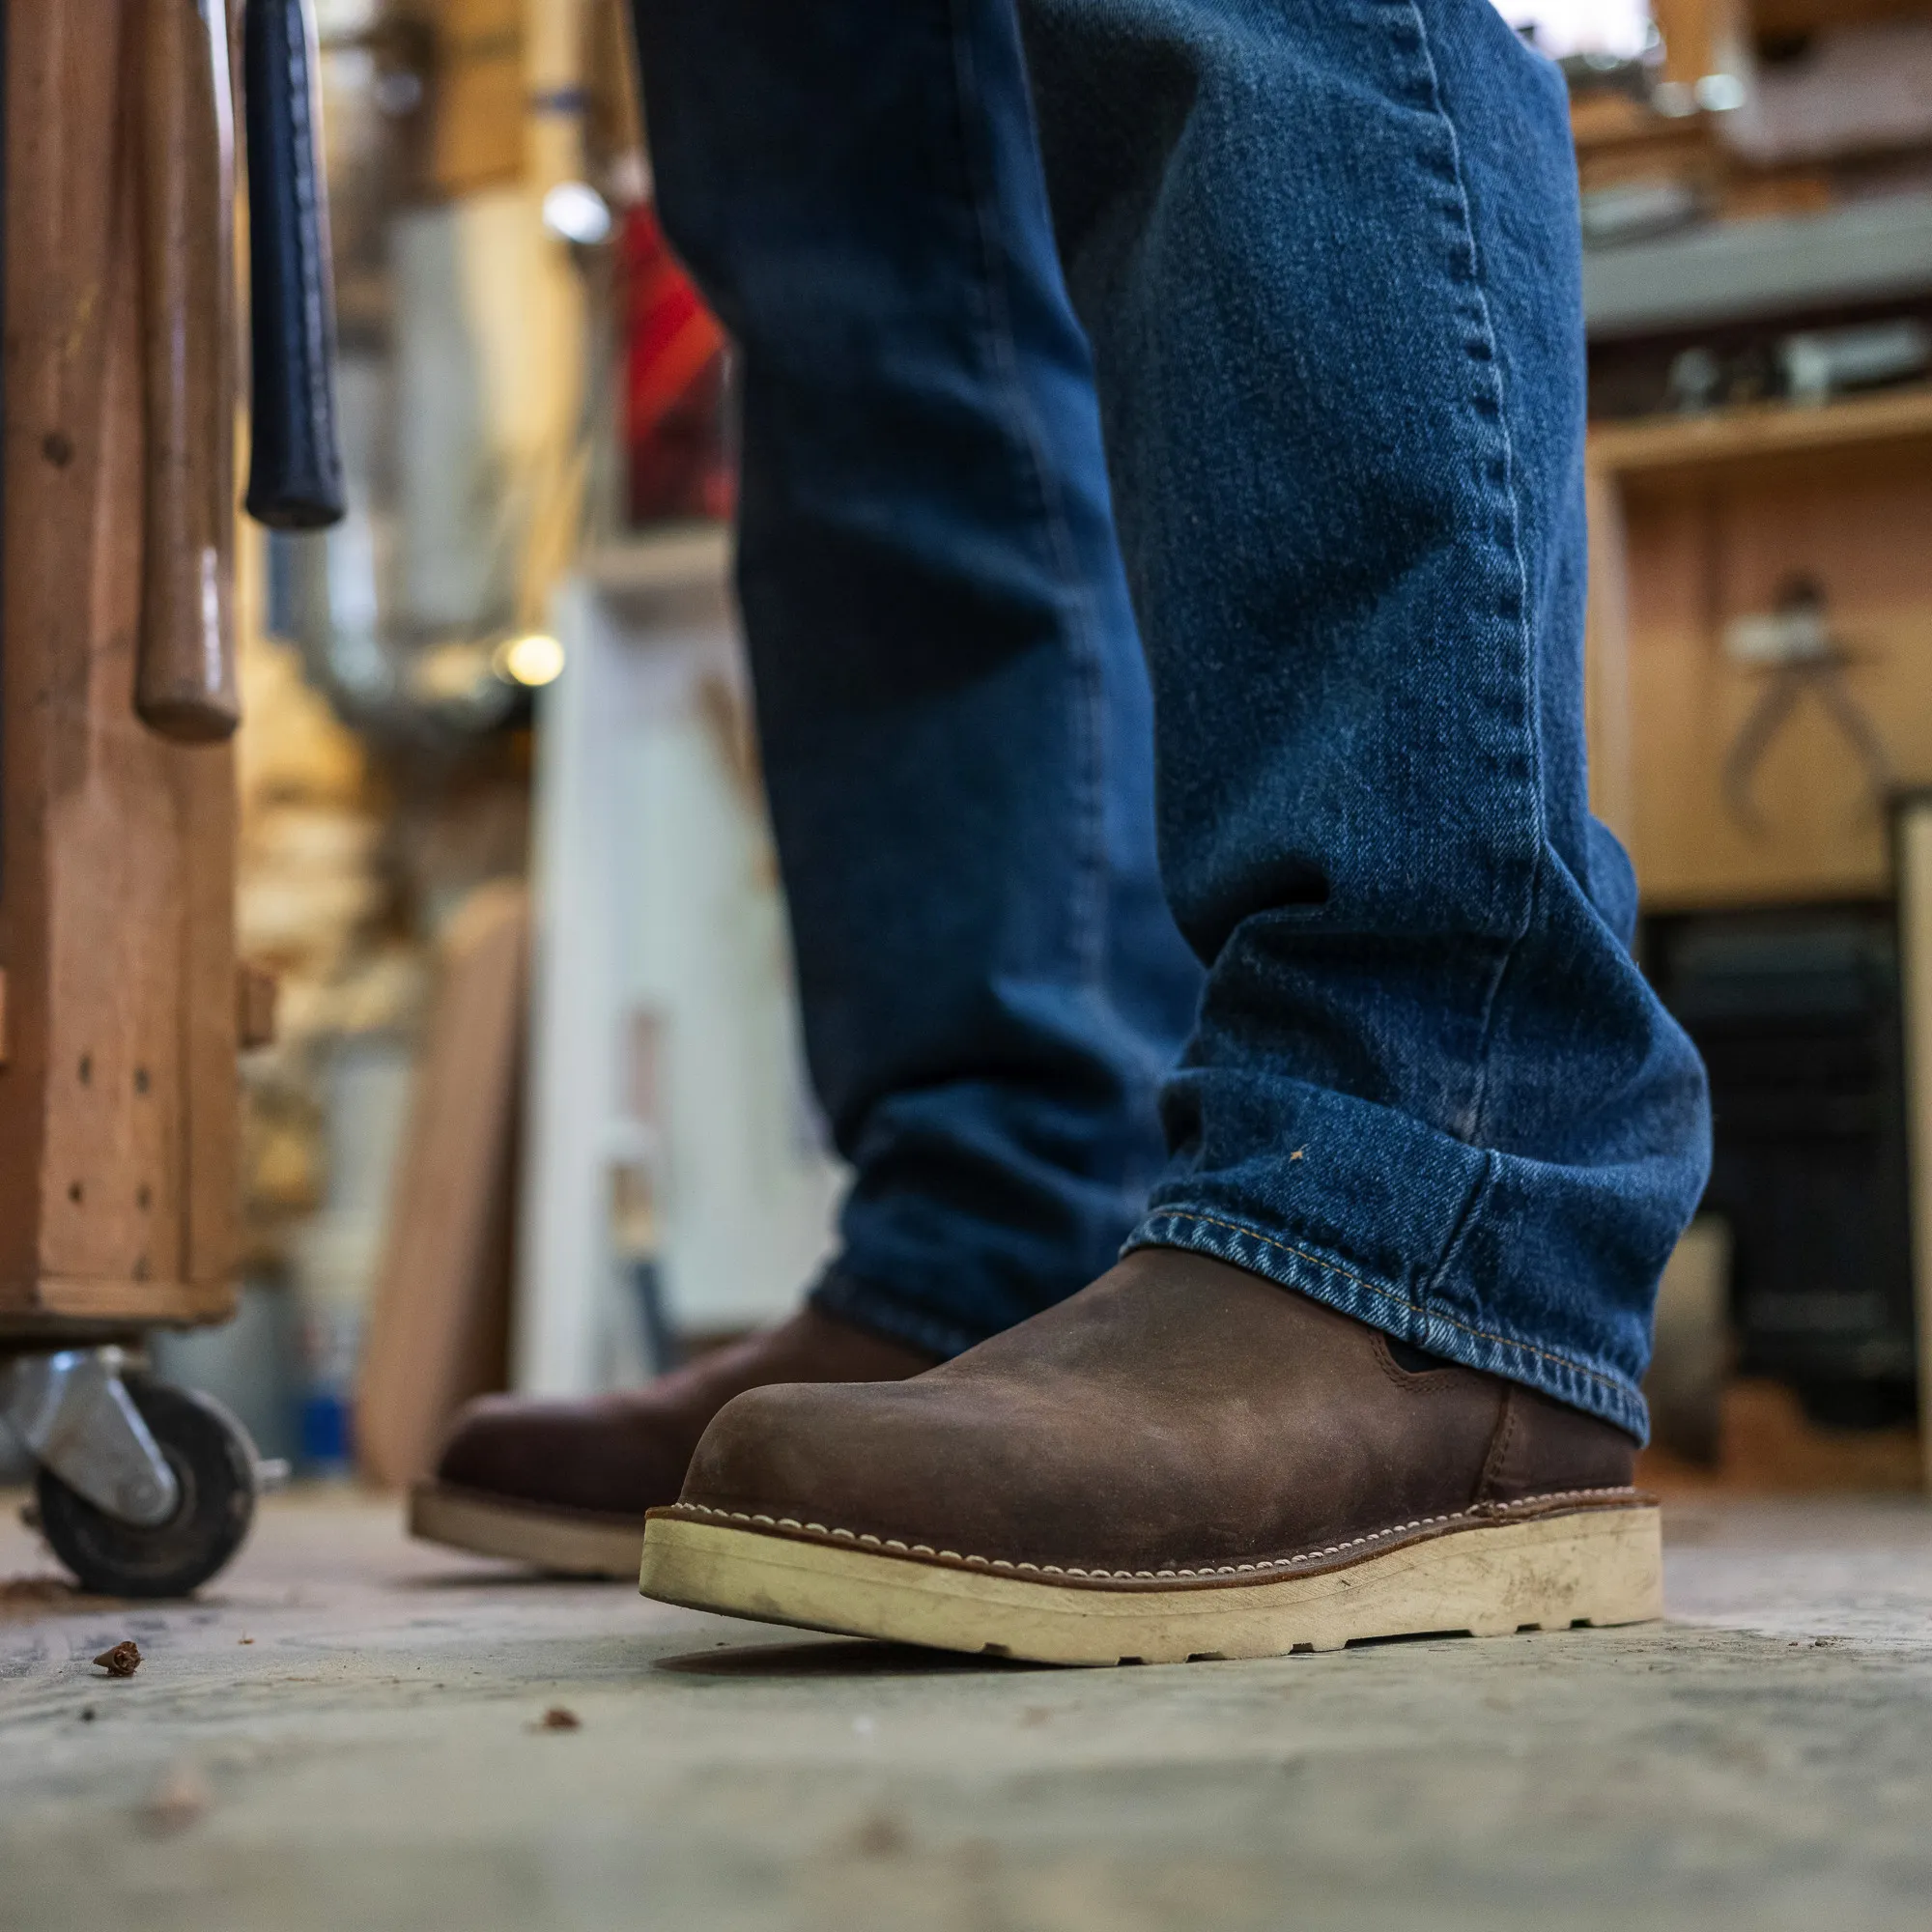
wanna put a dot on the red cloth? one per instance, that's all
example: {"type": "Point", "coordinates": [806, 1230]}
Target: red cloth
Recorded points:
{"type": "Point", "coordinates": [675, 369]}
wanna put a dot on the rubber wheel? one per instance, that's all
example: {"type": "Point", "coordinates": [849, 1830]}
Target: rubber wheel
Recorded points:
{"type": "Point", "coordinates": [214, 1461]}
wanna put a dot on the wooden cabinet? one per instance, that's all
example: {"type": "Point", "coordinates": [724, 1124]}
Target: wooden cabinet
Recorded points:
{"type": "Point", "coordinates": [1699, 522]}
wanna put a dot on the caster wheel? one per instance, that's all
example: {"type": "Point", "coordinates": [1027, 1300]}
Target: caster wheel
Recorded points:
{"type": "Point", "coordinates": [214, 1461]}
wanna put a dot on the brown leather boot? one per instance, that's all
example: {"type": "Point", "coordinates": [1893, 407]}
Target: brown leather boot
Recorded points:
{"type": "Point", "coordinates": [1181, 1460]}
{"type": "Point", "coordinates": [565, 1484]}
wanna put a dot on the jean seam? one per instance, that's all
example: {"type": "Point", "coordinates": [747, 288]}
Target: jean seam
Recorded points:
{"type": "Point", "coordinates": [1387, 1293]}
{"type": "Point", "coordinates": [1000, 338]}
{"type": "Point", "coordinates": [1524, 641]}
{"type": "Point", "coordinates": [1458, 1234]}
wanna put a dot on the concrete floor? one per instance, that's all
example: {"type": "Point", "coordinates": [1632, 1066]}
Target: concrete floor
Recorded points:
{"type": "Point", "coordinates": [346, 1732]}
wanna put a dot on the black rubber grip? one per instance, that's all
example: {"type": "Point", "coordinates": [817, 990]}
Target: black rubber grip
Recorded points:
{"type": "Point", "coordinates": [295, 473]}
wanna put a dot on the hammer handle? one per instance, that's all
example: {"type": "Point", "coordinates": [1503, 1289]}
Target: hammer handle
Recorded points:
{"type": "Point", "coordinates": [294, 473]}
{"type": "Point", "coordinates": [184, 685]}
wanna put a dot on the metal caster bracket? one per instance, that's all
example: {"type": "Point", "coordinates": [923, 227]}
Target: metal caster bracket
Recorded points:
{"type": "Point", "coordinates": [74, 1412]}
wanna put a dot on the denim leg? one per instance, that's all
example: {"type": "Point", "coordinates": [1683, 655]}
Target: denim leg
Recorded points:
{"type": "Point", "coordinates": [1327, 255]}
{"type": "Point", "coordinates": [951, 700]}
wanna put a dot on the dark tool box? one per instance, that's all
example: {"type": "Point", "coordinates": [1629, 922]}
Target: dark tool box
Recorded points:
{"type": "Point", "coordinates": [1797, 1016]}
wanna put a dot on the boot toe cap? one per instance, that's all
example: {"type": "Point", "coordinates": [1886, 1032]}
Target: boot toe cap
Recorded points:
{"type": "Point", "coordinates": [784, 1448]}
{"type": "Point", "coordinates": [485, 1446]}
{"type": "Point", "coordinates": [588, 1457]}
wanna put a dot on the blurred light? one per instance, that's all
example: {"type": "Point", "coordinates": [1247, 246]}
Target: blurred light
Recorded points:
{"type": "Point", "coordinates": [575, 211]}
{"type": "Point", "coordinates": [450, 672]}
{"type": "Point", "coordinates": [533, 660]}
{"type": "Point", "coordinates": [1558, 28]}
{"type": "Point", "coordinates": [1719, 93]}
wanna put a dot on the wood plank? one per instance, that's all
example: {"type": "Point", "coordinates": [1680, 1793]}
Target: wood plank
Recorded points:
{"type": "Point", "coordinates": [207, 812]}
{"type": "Point", "coordinates": [477, 98]}
{"type": "Point", "coordinates": [439, 1325]}
{"type": "Point", "coordinates": [1787, 17]}
{"type": "Point", "coordinates": [57, 222]}
{"type": "Point", "coordinates": [1697, 35]}
{"type": "Point", "coordinates": [256, 993]}
{"type": "Point", "coordinates": [112, 1185]}
{"type": "Point", "coordinates": [1679, 444]}
{"type": "Point", "coordinates": [111, 1302]}
{"type": "Point", "coordinates": [1607, 687]}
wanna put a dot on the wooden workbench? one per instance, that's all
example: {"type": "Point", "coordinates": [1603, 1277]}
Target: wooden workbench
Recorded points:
{"type": "Point", "coordinates": [118, 1093]}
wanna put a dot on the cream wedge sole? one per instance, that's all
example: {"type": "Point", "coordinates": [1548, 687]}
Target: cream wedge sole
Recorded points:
{"type": "Point", "coordinates": [1594, 1566]}
{"type": "Point", "coordinates": [564, 1545]}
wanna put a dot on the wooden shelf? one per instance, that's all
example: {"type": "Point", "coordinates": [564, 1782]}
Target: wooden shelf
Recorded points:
{"type": "Point", "coordinates": [1658, 444]}
{"type": "Point", "coordinates": [1802, 16]}
{"type": "Point", "coordinates": [1604, 122]}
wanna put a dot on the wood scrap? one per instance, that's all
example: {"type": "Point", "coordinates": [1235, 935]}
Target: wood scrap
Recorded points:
{"type": "Point", "coordinates": [438, 1323]}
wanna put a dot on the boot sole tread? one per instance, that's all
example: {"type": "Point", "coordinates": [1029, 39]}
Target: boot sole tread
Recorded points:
{"type": "Point", "coordinates": [1595, 1562]}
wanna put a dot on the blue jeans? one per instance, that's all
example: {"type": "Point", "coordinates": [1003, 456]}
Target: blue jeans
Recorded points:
{"type": "Point", "coordinates": [1325, 255]}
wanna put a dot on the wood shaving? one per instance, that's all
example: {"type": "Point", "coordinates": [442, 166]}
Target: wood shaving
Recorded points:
{"type": "Point", "coordinates": [123, 1660]}
{"type": "Point", "coordinates": [22, 1599]}
{"type": "Point", "coordinates": [37, 1590]}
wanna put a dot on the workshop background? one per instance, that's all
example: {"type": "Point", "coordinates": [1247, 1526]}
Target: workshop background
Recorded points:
{"type": "Point", "coordinates": [523, 1102]}
{"type": "Point", "coordinates": [533, 1113]}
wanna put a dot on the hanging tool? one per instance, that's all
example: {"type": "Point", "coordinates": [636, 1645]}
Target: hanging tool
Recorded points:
{"type": "Point", "coordinates": [184, 679]}
{"type": "Point", "coordinates": [295, 480]}
{"type": "Point", "coordinates": [1801, 655]}
{"type": "Point", "coordinates": [185, 675]}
